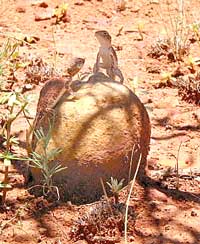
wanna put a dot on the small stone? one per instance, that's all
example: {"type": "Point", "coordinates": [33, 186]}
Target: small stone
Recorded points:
{"type": "Point", "coordinates": [43, 16]}
{"type": "Point", "coordinates": [20, 9]}
{"type": "Point", "coordinates": [79, 3]}
{"type": "Point", "coordinates": [81, 242]}
{"type": "Point", "coordinates": [39, 239]}
{"type": "Point", "coordinates": [149, 100]}
{"type": "Point", "coordinates": [168, 127]}
{"type": "Point", "coordinates": [19, 75]}
{"type": "Point", "coordinates": [40, 3]}
{"type": "Point", "coordinates": [167, 227]}
{"type": "Point", "coordinates": [193, 213]}
{"type": "Point", "coordinates": [27, 87]}
{"type": "Point", "coordinates": [42, 230]}
{"type": "Point", "coordinates": [119, 47]}
{"type": "Point", "coordinates": [43, 5]}
{"type": "Point", "coordinates": [198, 178]}
{"type": "Point", "coordinates": [153, 69]}
{"type": "Point", "coordinates": [154, 1]}
{"type": "Point", "coordinates": [120, 5]}
{"type": "Point", "coordinates": [157, 195]}
{"type": "Point", "coordinates": [131, 238]}
{"type": "Point", "coordinates": [66, 19]}
{"type": "Point", "coordinates": [136, 9]}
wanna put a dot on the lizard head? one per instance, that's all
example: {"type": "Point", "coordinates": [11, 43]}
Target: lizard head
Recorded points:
{"type": "Point", "coordinates": [103, 37]}
{"type": "Point", "coordinates": [79, 62]}
{"type": "Point", "coordinates": [75, 66]}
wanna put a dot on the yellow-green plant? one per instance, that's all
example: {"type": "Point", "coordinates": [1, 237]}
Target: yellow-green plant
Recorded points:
{"type": "Point", "coordinates": [16, 105]}
{"type": "Point", "coordinates": [7, 158]}
{"type": "Point", "coordinates": [115, 188]}
{"type": "Point", "coordinates": [42, 160]}
{"type": "Point", "coordinates": [196, 30]}
{"type": "Point", "coordinates": [140, 28]}
{"type": "Point", "coordinates": [60, 12]}
{"type": "Point", "coordinates": [177, 30]}
{"type": "Point", "coordinates": [9, 62]}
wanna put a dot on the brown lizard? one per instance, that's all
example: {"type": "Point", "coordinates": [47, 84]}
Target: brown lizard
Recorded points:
{"type": "Point", "coordinates": [108, 56]}
{"type": "Point", "coordinates": [52, 92]}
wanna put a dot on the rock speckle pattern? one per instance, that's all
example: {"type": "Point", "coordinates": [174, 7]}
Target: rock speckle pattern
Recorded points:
{"type": "Point", "coordinates": [97, 131]}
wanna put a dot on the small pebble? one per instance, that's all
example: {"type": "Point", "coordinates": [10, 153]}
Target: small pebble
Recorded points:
{"type": "Point", "coordinates": [43, 5]}
{"type": "Point", "coordinates": [193, 213]}
{"type": "Point", "coordinates": [20, 9]}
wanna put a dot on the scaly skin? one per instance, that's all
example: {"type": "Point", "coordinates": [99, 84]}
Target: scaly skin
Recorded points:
{"type": "Point", "coordinates": [108, 56]}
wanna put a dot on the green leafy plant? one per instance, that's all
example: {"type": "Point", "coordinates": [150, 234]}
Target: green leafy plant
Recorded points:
{"type": "Point", "coordinates": [16, 105]}
{"type": "Point", "coordinates": [9, 61]}
{"type": "Point", "coordinates": [7, 158]}
{"type": "Point", "coordinates": [60, 12]}
{"type": "Point", "coordinates": [115, 188]}
{"type": "Point", "coordinates": [140, 28]}
{"type": "Point", "coordinates": [42, 160]}
{"type": "Point", "coordinates": [195, 27]}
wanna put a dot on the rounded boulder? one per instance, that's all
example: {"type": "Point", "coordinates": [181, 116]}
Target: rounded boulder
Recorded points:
{"type": "Point", "coordinates": [103, 131]}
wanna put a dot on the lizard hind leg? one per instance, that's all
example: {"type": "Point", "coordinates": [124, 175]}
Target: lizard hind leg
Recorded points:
{"type": "Point", "coordinates": [110, 73]}
{"type": "Point", "coordinates": [118, 73]}
{"type": "Point", "coordinates": [97, 67]}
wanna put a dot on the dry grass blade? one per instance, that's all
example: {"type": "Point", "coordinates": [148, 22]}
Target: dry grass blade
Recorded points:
{"type": "Point", "coordinates": [128, 200]}
{"type": "Point", "coordinates": [106, 195]}
{"type": "Point", "coordinates": [131, 162]}
{"type": "Point", "coordinates": [177, 31]}
{"type": "Point", "coordinates": [177, 166]}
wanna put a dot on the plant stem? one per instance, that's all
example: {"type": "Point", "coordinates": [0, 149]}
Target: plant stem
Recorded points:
{"type": "Point", "coordinates": [128, 199]}
{"type": "Point", "coordinates": [116, 197]}
{"type": "Point", "coordinates": [8, 145]}
{"type": "Point", "coordinates": [5, 181]}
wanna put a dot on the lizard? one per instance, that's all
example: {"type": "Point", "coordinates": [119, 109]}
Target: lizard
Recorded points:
{"type": "Point", "coordinates": [108, 56]}
{"type": "Point", "coordinates": [50, 95]}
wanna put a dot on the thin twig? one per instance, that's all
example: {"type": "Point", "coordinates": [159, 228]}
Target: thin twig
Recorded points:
{"type": "Point", "coordinates": [177, 166]}
{"type": "Point", "coordinates": [131, 163]}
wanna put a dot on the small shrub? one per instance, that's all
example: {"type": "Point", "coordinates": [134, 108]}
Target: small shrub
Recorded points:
{"type": "Point", "coordinates": [42, 161]}
{"type": "Point", "coordinates": [115, 188]}
{"type": "Point", "coordinates": [16, 104]}
{"type": "Point", "coordinates": [175, 43]}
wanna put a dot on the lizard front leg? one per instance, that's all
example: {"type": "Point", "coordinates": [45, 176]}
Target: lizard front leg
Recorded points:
{"type": "Point", "coordinates": [97, 64]}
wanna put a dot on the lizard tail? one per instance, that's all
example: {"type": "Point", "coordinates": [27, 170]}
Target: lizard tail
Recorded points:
{"type": "Point", "coordinates": [28, 142]}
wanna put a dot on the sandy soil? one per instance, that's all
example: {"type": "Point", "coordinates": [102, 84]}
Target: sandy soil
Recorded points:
{"type": "Point", "coordinates": [161, 213]}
